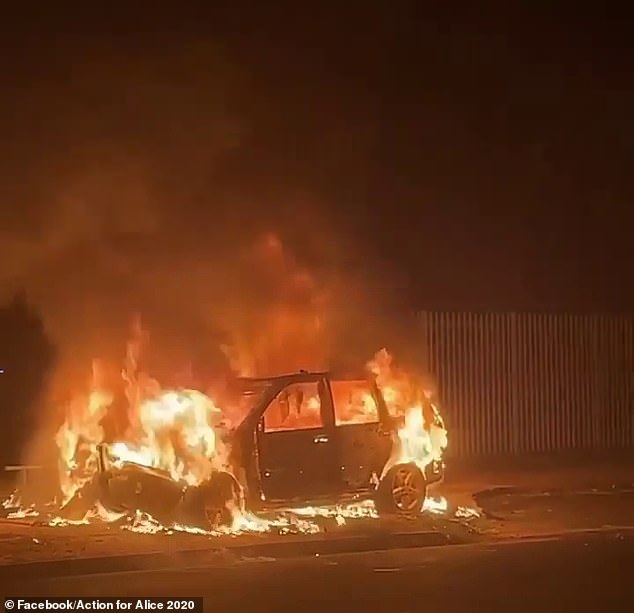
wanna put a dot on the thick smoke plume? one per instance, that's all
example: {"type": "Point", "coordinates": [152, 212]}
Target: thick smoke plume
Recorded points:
{"type": "Point", "coordinates": [142, 196]}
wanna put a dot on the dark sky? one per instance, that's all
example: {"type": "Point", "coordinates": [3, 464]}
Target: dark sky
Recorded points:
{"type": "Point", "coordinates": [470, 161]}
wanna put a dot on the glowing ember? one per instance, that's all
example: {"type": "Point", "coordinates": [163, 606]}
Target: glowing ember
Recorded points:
{"type": "Point", "coordinates": [466, 513]}
{"type": "Point", "coordinates": [363, 509]}
{"type": "Point", "coordinates": [13, 501]}
{"type": "Point", "coordinates": [13, 504]}
{"type": "Point", "coordinates": [435, 505]}
{"type": "Point", "coordinates": [23, 513]}
{"type": "Point", "coordinates": [143, 523]}
{"type": "Point", "coordinates": [59, 522]}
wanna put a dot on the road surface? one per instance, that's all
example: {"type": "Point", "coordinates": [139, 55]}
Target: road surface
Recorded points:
{"type": "Point", "coordinates": [504, 513]}
{"type": "Point", "coordinates": [572, 572]}
{"type": "Point", "coordinates": [539, 549]}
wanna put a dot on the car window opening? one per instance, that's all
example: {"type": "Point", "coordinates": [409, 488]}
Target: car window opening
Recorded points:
{"type": "Point", "coordinates": [296, 407]}
{"type": "Point", "coordinates": [354, 403]}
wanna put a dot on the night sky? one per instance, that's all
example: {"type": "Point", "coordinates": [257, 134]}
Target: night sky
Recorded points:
{"type": "Point", "coordinates": [473, 161]}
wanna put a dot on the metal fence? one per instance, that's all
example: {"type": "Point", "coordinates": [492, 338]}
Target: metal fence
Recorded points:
{"type": "Point", "coordinates": [532, 382]}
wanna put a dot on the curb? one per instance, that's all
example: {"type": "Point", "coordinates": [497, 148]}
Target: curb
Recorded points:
{"type": "Point", "coordinates": [181, 559]}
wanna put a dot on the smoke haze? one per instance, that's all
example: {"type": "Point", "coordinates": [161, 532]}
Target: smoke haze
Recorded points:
{"type": "Point", "coordinates": [142, 192]}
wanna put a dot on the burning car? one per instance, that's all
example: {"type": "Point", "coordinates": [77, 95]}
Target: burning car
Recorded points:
{"type": "Point", "coordinates": [312, 436]}
{"type": "Point", "coordinates": [303, 438]}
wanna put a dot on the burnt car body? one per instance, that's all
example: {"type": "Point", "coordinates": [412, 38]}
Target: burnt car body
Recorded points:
{"type": "Point", "coordinates": [300, 442]}
{"type": "Point", "coordinates": [333, 458]}
{"type": "Point", "coordinates": [127, 487]}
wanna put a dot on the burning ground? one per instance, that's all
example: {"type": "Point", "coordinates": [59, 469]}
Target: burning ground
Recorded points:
{"type": "Point", "coordinates": [32, 540]}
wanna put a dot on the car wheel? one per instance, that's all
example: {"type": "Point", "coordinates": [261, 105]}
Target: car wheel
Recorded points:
{"type": "Point", "coordinates": [401, 491]}
{"type": "Point", "coordinates": [216, 500]}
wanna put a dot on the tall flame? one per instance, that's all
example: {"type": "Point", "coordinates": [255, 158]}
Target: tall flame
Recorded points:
{"type": "Point", "coordinates": [79, 435]}
{"type": "Point", "coordinates": [422, 438]}
{"type": "Point", "coordinates": [168, 429]}
{"type": "Point", "coordinates": [177, 436]}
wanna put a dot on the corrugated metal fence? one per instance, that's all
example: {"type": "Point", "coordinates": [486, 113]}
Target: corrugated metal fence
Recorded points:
{"type": "Point", "coordinates": [532, 382]}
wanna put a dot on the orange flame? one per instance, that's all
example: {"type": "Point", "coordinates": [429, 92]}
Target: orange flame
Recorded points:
{"type": "Point", "coordinates": [422, 438]}
{"type": "Point", "coordinates": [175, 430]}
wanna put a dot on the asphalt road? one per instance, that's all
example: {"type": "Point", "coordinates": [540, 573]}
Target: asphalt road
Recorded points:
{"type": "Point", "coordinates": [586, 566]}
{"type": "Point", "coordinates": [553, 511]}
{"type": "Point", "coordinates": [34, 550]}
{"type": "Point", "coordinates": [573, 572]}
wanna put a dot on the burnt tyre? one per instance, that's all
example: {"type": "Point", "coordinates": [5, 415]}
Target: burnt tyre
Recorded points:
{"type": "Point", "coordinates": [212, 504]}
{"type": "Point", "coordinates": [401, 491]}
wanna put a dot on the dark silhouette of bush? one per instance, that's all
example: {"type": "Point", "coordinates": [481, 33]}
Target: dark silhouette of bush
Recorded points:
{"type": "Point", "coordinates": [27, 357]}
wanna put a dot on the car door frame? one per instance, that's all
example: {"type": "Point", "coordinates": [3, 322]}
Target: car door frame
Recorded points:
{"type": "Point", "coordinates": [327, 429]}
{"type": "Point", "coordinates": [378, 435]}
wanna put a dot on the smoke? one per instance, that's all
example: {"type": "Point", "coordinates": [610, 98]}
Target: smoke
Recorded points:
{"type": "Point", "coordinates": [134, 197]}
{"type": "Point", "coordinates": [98, 196]}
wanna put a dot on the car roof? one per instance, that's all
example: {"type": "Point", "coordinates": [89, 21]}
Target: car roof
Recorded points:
{"type": "Point", "coordinates": [301, 376]}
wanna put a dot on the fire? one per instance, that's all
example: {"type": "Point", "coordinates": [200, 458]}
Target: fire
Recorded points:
{"type": "Point", "coordinates": [176, 436]}
{"type": "Point", "coordinates": [77, 440]}
{"type": "Point", "coordinates": [99, 512]}
{"type": "Point", "coordinates": [144, 523]}
{"type": "Point", "coordinates": [360, 510]}
{"type": "Point", "coordinates": [285, 328]}
{"type": "Point", "coordinates": [13, 505]}
{"type": "Point", "coordinates": [422, 438]}
{"type": "Point", "coordinates": [288, 327]}
{"type": "Point", "coordinates": [172, 430]}
{"type": "Point", "coordinates": [421, 442]}
{"type": "Point", "coordinates": [175, 433]}
{"type": "Point", "coordinates": [178, 432]}
{"type": "Point", "coordinates": [435, 505]}
{"type": "Point", "coordinates": [415, 440]}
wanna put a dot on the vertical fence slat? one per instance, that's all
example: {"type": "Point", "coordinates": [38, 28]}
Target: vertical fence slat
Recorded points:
{"type": "Point", "coordinates": [500, 422]}
{"type": "Point", "coordinates": [462, 365]}
{"type": "Point", "coordinates": [509, 339]}
{"type": "Point", "coordinates": [527, 382]}
{"type": "Point", "coordinates": [488, 439]}
{"type": "Point", "coordinates": [512, 357]}
{"type": "Point", "coordinates": [542, 417]}
{"type": "Point", "coordinates": [551, 415]}
{"type": "Point", "coordinates": [571, 409]}
{"type": "Point", "coordinates": [469, 379]}
{"type": "Point", "coordinates": [590, 384]}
